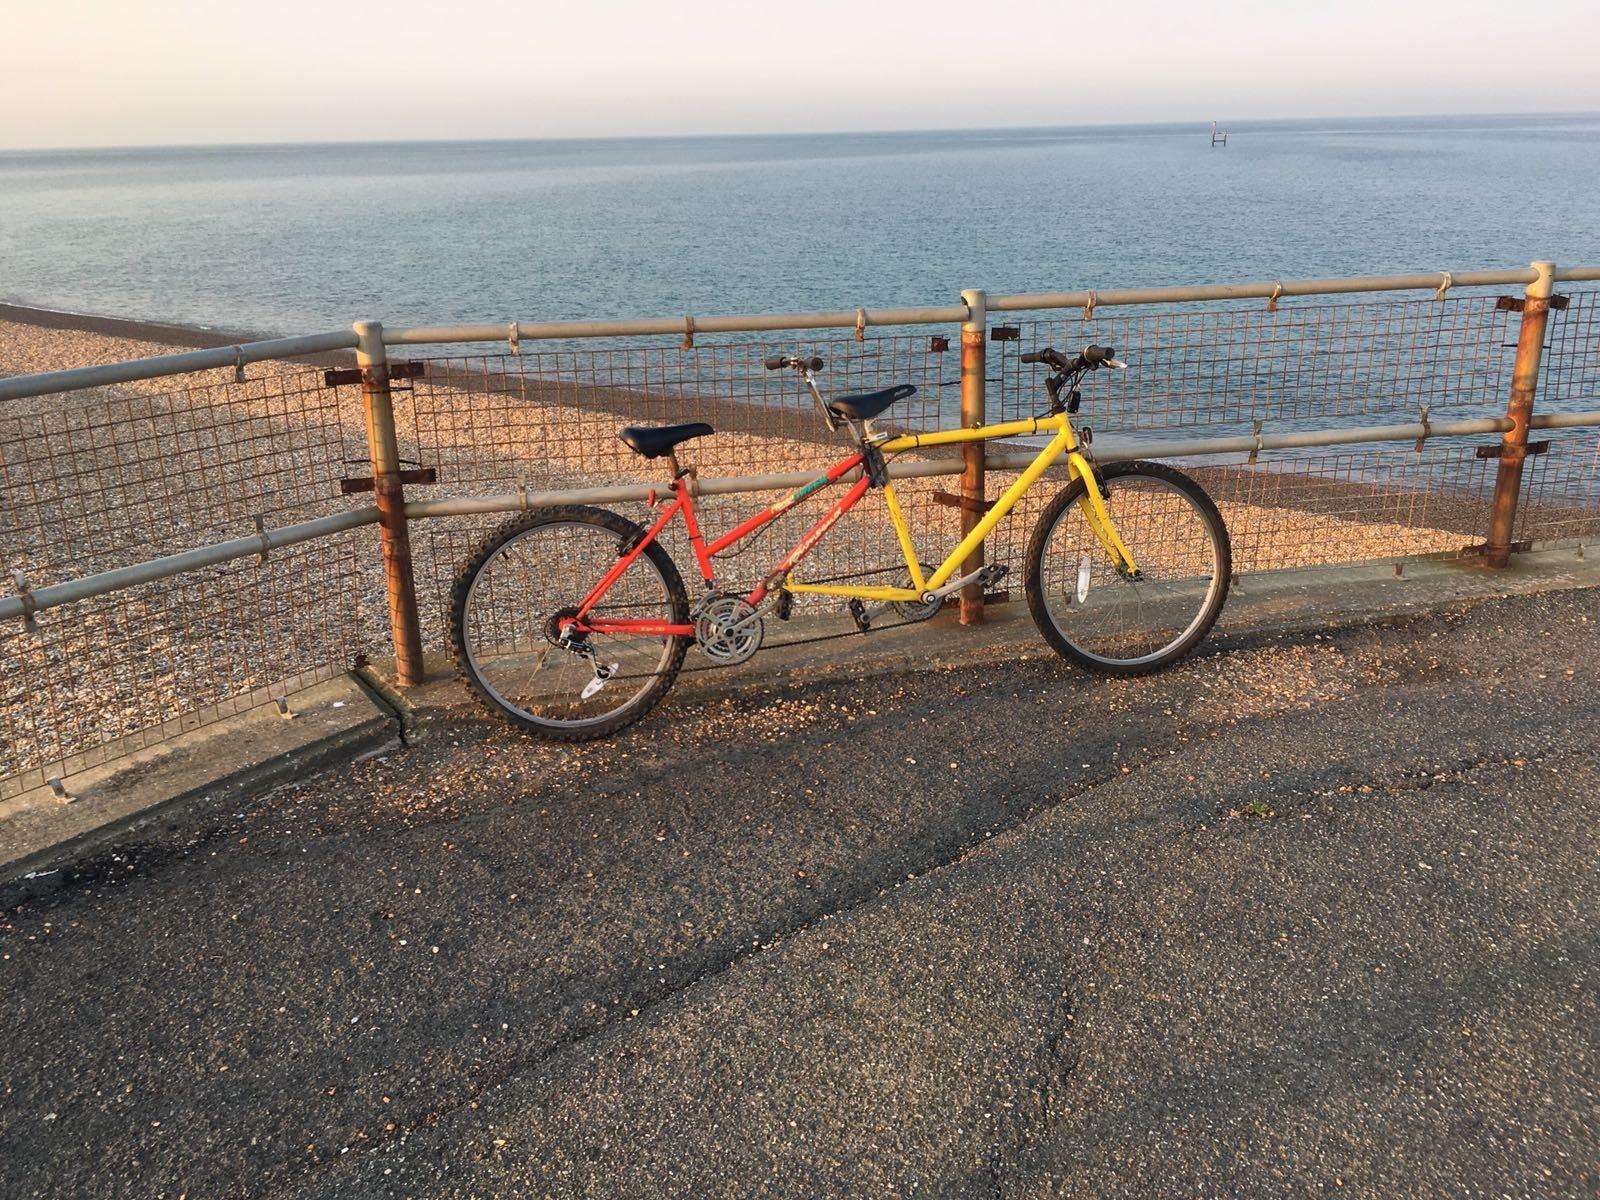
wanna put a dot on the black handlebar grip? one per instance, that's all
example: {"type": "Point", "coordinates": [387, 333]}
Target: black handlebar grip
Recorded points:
{"type": "Point", "coordinates": [1035, 356]}
{"type": "Point", "coordinates": [814, 364]}
{"type": "Point", "coordinates": [1095, 355]}
{"type": "Point", "coordinates": [774, 364]}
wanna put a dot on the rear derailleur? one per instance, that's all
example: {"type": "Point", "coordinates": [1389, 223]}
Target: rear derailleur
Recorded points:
{"type": "Point", "coordinates": [577, 642]}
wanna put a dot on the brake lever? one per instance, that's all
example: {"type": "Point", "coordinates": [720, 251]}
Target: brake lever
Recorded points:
{"type": "Point", "coordinates": [1053, 385]}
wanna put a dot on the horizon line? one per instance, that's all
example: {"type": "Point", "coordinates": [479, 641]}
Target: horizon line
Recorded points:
{"type": "Point", "coordinates": [793, 133]}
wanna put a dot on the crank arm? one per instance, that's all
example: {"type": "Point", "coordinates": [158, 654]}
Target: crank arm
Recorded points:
{"type": "Point", "coordinates": [986, 575]}
{"type": "Point", "coordinates": [869, 615]}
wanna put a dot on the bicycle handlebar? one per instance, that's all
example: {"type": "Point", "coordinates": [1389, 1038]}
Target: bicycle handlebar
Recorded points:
{"type": "Point", "coordinates": [1092, 359]}
{"type": "Point", "coordinates": [779, 361]}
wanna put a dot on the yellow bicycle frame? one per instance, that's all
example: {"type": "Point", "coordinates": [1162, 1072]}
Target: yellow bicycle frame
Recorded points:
{"type": "Point", "coordinates": [1064, 444]}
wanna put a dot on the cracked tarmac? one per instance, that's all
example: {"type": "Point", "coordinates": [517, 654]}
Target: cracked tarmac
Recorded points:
{"type": "Point", "coordinates": [1310, 914]}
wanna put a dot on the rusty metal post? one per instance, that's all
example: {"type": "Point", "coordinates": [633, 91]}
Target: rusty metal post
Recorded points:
{"type": "Point", "coordinates": [1514, 445]}
{"type": "Point", "coordinates": [973, 331]}
{"type": "Point", "coordinates": [386, 487]}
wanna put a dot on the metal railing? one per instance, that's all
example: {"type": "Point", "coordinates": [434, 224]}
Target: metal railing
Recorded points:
{"type": "Point", "coordinates": [182, 552]}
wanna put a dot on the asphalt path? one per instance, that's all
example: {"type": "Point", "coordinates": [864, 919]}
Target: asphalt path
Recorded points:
{"type": "Point", "coordinates": [1309, 915]}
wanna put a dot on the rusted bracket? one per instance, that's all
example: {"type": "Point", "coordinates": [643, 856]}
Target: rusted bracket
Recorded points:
{"type": "Point", "coordinates": [1497, 450]}
{"type": "Point", "coordinates": [29, 604]}
{"type": "Point", "coordinates": [1005, 333]}
{"type": "Point", "coordinates": [938, 345]}
{"type": "Point", "coordinates": [397, 370]}
{"type": "Point", "coordinates": [363, 483]}
{"type": "Point", "coordinates": [951, 500]}
{"type": "Point", "coordinates": [1518, 303]}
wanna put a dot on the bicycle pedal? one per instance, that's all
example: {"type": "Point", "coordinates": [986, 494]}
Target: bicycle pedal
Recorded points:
{"type": "Point", "coordinates": [784, 608]}
{"type": "Point", "coordinates": [858, 614]}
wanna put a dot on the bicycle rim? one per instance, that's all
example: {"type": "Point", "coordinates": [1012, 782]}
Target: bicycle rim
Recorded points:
{"type": "Point", "coordinates": [510, 639]}
{"type": "Point", "coordinates": [1125, 624]}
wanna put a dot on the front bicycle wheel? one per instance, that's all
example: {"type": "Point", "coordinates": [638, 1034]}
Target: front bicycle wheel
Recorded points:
{"type": "Point", "coordinates": [1099, 616]}
{"type": "Point", "coordinates": [505, 612]}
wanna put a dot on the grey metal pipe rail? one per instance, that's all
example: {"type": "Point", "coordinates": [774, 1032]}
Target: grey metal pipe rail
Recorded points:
{"type": "Point", "coordinates": [1268, 290]}
{"type": "Point", "coordinates": [1106, 450]}
{"type": "Point", "coordinates": [1123, 450]}
{"type": "Point", "coordinates": [461, 506]}
{"type": "Point", "coordinates": [863, 318]}
{"type": "Point", "coordinates": [20, 386]}
{"type": "Point", "coordinates": [121, 578]}
{"type": "Point", "coordinates": [555, 330]}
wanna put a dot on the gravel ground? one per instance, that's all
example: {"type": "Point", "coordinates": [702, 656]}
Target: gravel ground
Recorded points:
{"type": "Point", "coordinates": [1307, 915]}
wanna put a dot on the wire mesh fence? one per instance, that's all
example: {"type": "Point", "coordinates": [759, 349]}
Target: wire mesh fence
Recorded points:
{"type": "Point", "coordinates": [550, 419]}
{"type": "Point", "coordinates": [1559, 492]}
{"type": "Point", "coordinates": [1302, 364]}
{"type": "Point", "coordinates": [1569, 376]}
{"type": "Point", "coordinates": [108, 477]}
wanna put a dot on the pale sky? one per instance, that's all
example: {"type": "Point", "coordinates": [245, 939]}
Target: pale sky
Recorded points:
{"type": "Point", "coordinates": [139, 72]}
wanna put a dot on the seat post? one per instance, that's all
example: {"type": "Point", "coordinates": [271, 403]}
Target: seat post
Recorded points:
{"type": "Point", "coordinates": [672, 463]}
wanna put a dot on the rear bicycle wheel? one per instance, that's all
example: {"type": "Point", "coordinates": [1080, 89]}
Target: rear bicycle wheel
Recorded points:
{"type": "Point", "coordinates": [1094, 614]}
{"type": "Point", "coordinates": [536, 569]}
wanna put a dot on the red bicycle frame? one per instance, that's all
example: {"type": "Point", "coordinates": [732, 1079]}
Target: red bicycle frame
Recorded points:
{"type": "Point", "coordinates": [683, 501]}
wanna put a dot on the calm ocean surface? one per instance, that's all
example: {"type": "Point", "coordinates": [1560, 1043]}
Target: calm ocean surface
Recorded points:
{"type": "Point", "coordinates": [283, 239]}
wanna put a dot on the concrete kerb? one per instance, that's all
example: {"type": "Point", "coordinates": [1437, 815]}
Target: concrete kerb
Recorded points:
{"type": "Point", "coordinates": [42, 841]}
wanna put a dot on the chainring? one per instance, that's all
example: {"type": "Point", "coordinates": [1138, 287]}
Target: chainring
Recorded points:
{"type": "Point", "coordinates": [915, 610]}
{"type": "Point", "coordinates": [720, 641]}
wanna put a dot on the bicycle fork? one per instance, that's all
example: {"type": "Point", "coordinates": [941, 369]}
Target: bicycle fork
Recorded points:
{"type": "Point", "coordinates": [1098, 519]}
